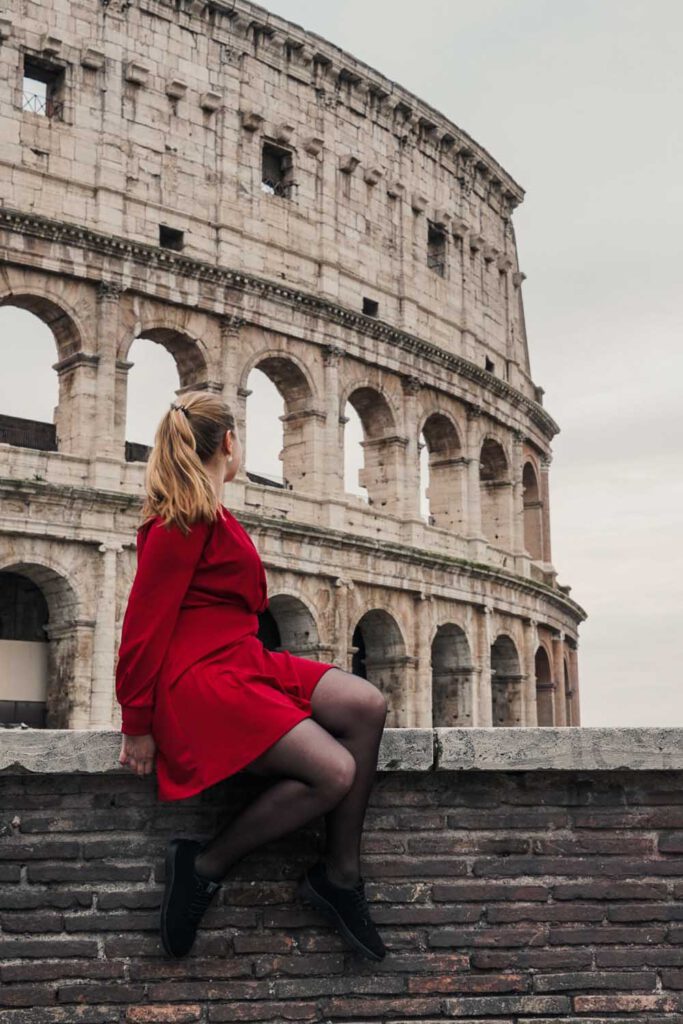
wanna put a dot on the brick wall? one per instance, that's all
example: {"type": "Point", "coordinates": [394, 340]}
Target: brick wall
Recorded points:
{"type": "Point", "coordinates": [517, 893]}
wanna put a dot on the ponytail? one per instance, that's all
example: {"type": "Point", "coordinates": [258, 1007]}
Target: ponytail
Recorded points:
{"type": "Point", "coordinates": [177, 484]}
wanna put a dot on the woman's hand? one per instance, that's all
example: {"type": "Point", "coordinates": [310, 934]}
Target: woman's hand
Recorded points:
{"type": "Point", "coordinates": [138, 753]}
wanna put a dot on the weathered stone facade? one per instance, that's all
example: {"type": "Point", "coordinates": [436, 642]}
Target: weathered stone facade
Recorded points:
{"type": "Point", "coordinates": [248, 195]}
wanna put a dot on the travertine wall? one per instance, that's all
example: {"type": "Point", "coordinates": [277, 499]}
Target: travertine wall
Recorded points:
{"type": "Point", "coordinates": [159, 118]}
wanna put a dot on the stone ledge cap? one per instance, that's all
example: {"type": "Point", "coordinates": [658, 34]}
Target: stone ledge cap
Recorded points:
{"type": "Point", "coordinates": [493, 748]}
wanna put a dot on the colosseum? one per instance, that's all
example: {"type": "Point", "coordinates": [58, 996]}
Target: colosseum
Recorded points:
{"type": "Point", "coordinates": [217, 181]}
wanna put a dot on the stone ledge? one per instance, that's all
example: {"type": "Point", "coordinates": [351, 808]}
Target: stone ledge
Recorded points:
{"type": "Point", "coordinates": [60, 751]}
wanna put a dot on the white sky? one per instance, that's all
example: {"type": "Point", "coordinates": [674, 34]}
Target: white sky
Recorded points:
{"type": "Point", "coordinates": [581, 102]}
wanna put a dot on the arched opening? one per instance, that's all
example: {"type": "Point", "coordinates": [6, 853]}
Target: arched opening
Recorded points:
{"type": "Point", "coordinates": [506, 683]}
{"type": "Point", "coordinates": [29, 387]}
{"type": "Point", "coordinates": [40, 633]}
{"type": "Point", "coordinates": [451, 677]}
{"type": "Point", "coordinates": [154, 357]}
{"type": "Point", "coordinates": [382, 448]}
{"type": "Point", "coordinates": [353, 453]}
{"type": "Point", "coordinates": [379, 656]}
{"type": "Point", "coordinates": [545, 705]}
{"type": "Point", "coordinates": [264, 438]}
{"type": "Point", "coordinates": [280, 425]}
{"type": "Point", "coordinates": [287, 624]}
{"type": "Point", "coordinates": [533, 512]}
{"type": "Point", "coordinates": [446, 470]}
{"type": "Point", "coordinates": [496, 493]}
{"type": "Point", "coordinates": [23, 652]}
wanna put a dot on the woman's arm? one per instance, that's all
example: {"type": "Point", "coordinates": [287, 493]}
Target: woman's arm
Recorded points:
{"type": "Point", "coordinates": [166, 563]}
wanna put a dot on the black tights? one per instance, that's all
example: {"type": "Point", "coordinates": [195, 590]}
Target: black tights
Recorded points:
{"type": "Point", "coordinates": [323, 775]}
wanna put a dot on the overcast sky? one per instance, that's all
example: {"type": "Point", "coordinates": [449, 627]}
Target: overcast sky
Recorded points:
{"type": "Point", "coordinates": [580, 101]}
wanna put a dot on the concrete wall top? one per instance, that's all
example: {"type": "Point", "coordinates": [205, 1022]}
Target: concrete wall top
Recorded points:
{"type": "Point", "coordinates": [47, 751]}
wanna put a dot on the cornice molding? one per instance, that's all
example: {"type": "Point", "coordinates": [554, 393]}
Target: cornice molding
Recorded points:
{"type": "Point", "coordinates": [115, 246]}
{"type": "Point", "coordinates": [309, 532]}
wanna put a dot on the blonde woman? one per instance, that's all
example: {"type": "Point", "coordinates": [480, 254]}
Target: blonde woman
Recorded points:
{"type": "Point", "coordinates": [201, 694]}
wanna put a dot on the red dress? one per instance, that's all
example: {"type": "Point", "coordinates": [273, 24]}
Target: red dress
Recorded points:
{"type": "Point", "coordinates": [191, 669]}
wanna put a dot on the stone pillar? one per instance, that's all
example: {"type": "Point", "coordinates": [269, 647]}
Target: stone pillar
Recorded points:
{"type": "Point", "coordinates": [558, 679]}
{"type": "Point", "coordinates": [234, 395]}
{"type": "Point", "coordinates": [104, 435]}
{"type": "Point", "coordinates": [342, 628]}
{"type": "Point", "coordinates": [529, 697]}
{"type": "Point", "coordinates": [482, 711]}
{"type": "Point", "coordinates": [103, 676]}
{"type": "Point", "coordinates": [574, 683]}
{"type": "Point", "coordinates": [546, 460]}
{"type": "Point", "coordinates": [517, 501]}
{"type": "Point", "coordinates": [421, 715]}
{"type": "Point", "coordinates": [332, 432]}
{"type": "Point", "coordinates": [473, 444]}
{"type": "Point", "coordinates": [409, 500]}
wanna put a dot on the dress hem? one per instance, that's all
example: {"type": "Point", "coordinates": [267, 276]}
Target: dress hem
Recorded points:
{"type": "Point", "coordinates": [222, 777]}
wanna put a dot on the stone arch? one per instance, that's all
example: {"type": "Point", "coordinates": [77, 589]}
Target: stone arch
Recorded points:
{"type": "Point", "coordinates": [50, 669]}
{"type": "Point", "coordinates": [301, 417]}
{"type": "Point", "coordinates": [55, 312]}
{"type": "Point", "coordinates": [496, 493]}
{"type": "Point", "coordinates": [447, 469]}
{"type": "Point", "coordinates": [289, 624]}
{"type": "Point", "coordinates": [506, 682]}
{"type": "Point", "coordinates": [383, 448]}
{"type": "Point", "coordinates": [64, 432]}
{"type": "Point", "coordinates": [452, 672]}
{"type": "Point", "coordinates": [189, 353]}
{"type": "Point", "coordinates": [379, 655]}
{"type": "Point", "coordinates": [533, 511]}
{"type": "Point", "coordinates": [545, 705]}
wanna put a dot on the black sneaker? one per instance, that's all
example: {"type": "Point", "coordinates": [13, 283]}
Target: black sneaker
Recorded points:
{"type": "Point", "coordinates": [186, 897]}
{"type": "Point", "coordinates": [346, 908]}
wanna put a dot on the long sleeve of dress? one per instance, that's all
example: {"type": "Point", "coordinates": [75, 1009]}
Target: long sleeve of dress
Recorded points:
{"type": "Point", "coordinates": [166, 562]}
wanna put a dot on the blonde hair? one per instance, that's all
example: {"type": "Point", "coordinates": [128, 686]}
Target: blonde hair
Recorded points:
{"type": "Point", "coordinates": [177, 484]}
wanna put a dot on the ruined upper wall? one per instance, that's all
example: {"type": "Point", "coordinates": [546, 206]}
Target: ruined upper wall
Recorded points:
{"type": "Point", "coordinates": [165, 112]}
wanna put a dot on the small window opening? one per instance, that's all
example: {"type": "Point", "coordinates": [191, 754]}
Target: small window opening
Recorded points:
{"type": "Point", "coordinates": [370, 306]}
{"type": "Point", "coordinates": [171, 238]}
{"type": "Point", "coordinates": [276, 170]}
{"type": "Point", "coordinates": [436, 249]}
{"type": "Point", "coordinates": [489, 365]}
{"type": "Point", "coordinates": [43, 88]}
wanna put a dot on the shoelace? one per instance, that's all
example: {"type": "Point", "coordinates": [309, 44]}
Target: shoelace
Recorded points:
{"type": "Point", "coordinates": [201, 898]}
{"type": "Point", "coordinates": [360, 902]}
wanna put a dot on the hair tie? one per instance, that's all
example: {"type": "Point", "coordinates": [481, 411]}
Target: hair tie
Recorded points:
{"type": "Point", "coordinates": [174, 406]}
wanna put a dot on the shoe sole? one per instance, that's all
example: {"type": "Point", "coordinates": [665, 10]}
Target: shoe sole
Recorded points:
{"type": "Point", "coordinates": [170, 878]}
{"type": "Point", "coordinates": [306, 891]}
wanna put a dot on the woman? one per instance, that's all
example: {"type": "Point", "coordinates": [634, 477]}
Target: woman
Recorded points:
{"type": "Point", "coordinates": [198, 689]}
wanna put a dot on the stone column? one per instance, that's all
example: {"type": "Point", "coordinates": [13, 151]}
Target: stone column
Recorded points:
{"type": "Point", "coordinates": [473, 443]}
{"type": "Point", "coordinates": [110, 411]}
{"type": "Point", "coordinates": [231, 324]}
{"type": "Point", "coordinates": [558, 679]}
{"type": "Point", "coordinates": [529, 698]}
{"type": "Point", "coordinates": [482, 711]}
{"type": "Point", "coordinates": [409, 500]}
{"type": "Point", "coordinates": [546, 460]}
{"type": "Point", "coordinates": [421, 715]}
{"type": "Point", "coordinates": [342, 629]}
{"type": "Point", "coordinates": [332, 432]}
{"type": "Point", "coordinates": [517, 502]}
{"type": "Point", "coordinates": [574, 683]}
{"type": "Point", "coordinates": [103, 676]}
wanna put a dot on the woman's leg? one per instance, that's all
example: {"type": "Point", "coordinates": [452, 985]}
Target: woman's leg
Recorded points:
{"type": "Point", "coordinates": [318, 770]}
{"type": "Point", "coordinates": [354, 711]}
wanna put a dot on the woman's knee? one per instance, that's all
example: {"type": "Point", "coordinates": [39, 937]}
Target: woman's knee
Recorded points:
{"type": "Point", "coordinates": [339, 774]}
{"type": "Point", "coordinates": [377, 706]}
